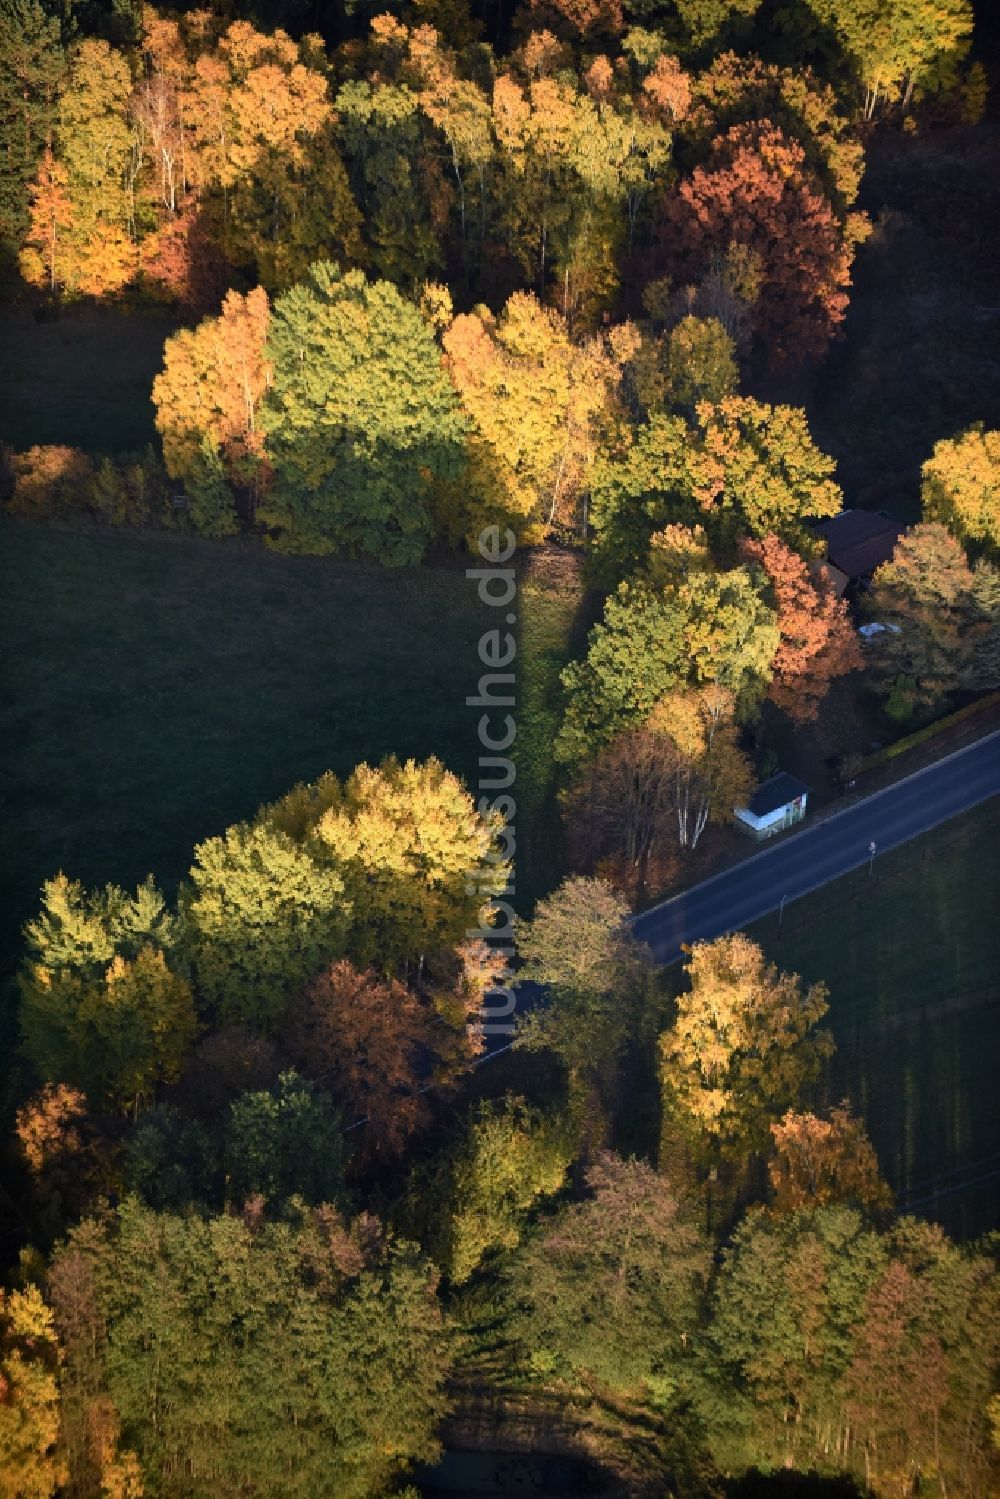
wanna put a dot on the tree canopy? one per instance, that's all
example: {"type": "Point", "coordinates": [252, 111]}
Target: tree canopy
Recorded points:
{"type": "Point", "coordinates": [743, 1046]}
{"type": "Point", "coordinates": [961, 487]}
{"type": "Point", "coordinates": [182, 1322]}
{"type": "Point", "coordinates": [359, 421]}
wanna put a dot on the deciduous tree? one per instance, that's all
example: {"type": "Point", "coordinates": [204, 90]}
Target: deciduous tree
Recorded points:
{"type": "Point", "coordinates": [94, 146]}
{"type": "Point", "coordinates": [100, 1008]}
{"type": "Point", "coordinates": [46, 259]}
{"type": "Point", "coordinates": [31, 1464]}
{"type": "Point", "coordinates": [459, 108]}
{"type": "Point", "coordinates": [743, 1047]}
{"type": "Point", "coordinates": [706, 20]}
{"type": "Point", "coordinates": [183, 1321]}
{"type": "Point", "coordinates": [578, 940]}
{"type": "Point", "coordinates": [898, 46]}
{"type": "Point", "coordinates": [737, 89]}
{"type": "Point", "coordinates": [81, 931]}
{"type": "Point", "coordinates": [295, 208]}
{"type": "Point", "coordinates": [788, 1304]}
{"type": "Point", "coordinates": [535, 402]}
{"type": "Point", "coordinates": [700, 364]}
{"type": "Point", "coordinates": [31, 70]}
{"type": "Point", "coordinates": [745, 468]}
{"type": "Point", "coordinates": [284, 1142]}
{"type": "Point", "coordinates": [579, 946]}
{"type": "Point", "coordinates": [822, 1161]}
{"type": "Point", "coordinates": [507, 1160]}
{"type": "Point", "coordinates": [925, 595]}
{"type": "Point", "coordinates": [817, 641]}
{"type": "Point", "coordinates": [711, 628]}
{"type": "Point", "coordinates": [757, 190]}
{"type": "Point", "coordinates": [961, 487]}
{"type": "Point", "coordinates": [118, 1036]}
{"type": "Point", "coordinates": [710, 775]}
{"type": "Point", "coordinates": [919, 1376]}
{"type": "Point", "coordinates": [208, 406]}
{"type": "Point", "coordinates": [262, 915]}
{"type": "Point", "coordinates": [397, 178]}
{"type": "Point", "coordinates": [580, 20]}
{"type": "Point", "coordinates": [609, 1293]}
{"type": "Point", "coordinates": [360, 420]}
{"type": "Point", "coordinates": [366, 1040]}
{"type": "Point", "coordinates": [621, 803]}
{"type": "Point", "coordinates": [49, 482]}
{"type": "Point", "coordinates": [418, 861]}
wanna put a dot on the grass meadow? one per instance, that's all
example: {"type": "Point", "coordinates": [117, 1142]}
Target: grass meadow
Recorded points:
{"type": "Point", "coordinates": [911, 958]}
{"type": "Point", "coordinates": [158, 688]}
{"type": "Point", "coordinates": [83, 380]}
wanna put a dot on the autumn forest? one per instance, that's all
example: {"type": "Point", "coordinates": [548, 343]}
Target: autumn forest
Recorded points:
{"type": "Point", "coordinates": [457, 458]}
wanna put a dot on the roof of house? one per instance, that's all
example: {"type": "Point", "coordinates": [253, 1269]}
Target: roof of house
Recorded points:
{"type": "Point", "coordinates": [776, 792]}
{"type": "Point", "coordinates": [859, 541]}
{"type": "Point", "coordinates": [832, 577]}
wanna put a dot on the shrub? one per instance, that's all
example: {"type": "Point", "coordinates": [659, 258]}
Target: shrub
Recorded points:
{"type": "Point", "coordinates": [53, 483]}
{"type": "Point", "coordinates": [50, 483]}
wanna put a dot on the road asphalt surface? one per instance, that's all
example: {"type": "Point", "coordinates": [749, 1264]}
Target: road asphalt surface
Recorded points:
{"type": "Point", "coordinates": [823, 850]}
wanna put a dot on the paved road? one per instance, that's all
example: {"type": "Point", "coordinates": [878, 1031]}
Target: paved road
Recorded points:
{"type": "Point", "coordinates": [823, 850]}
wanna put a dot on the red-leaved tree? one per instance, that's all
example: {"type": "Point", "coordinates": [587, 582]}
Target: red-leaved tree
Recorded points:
{"type": "Point", "coordinates": [366, 1040]}
{"type": "Point", "coordinates": [756, 190]}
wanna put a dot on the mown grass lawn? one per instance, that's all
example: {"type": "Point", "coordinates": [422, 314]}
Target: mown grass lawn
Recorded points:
{"type": "Point", "coordinates": [912, 961]}
{"type": "Point", "coordinates": [158, 688]}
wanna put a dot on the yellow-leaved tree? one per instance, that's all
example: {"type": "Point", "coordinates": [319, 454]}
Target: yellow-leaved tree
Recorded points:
{"type": "Point", "coordinates": [961, 487]}
{"type": "Point", "coordinates": [30, 1464]}
{"type": "Point", "coordinates": [537, 402]}
{"type": "Point", "coordinates": [418, 861]}
{"type": "Point", "coordinates": [742, 1049]}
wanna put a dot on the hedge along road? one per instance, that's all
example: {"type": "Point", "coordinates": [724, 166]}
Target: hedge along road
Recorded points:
{"type": "Point", "coordinates": [818, 853]}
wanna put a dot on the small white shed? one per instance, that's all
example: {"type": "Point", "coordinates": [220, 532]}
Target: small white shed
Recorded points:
{"type": "Point", "coordinates": [777, 804]}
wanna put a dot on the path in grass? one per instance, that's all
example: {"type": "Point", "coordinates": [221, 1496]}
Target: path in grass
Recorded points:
{"type": "Point", "coordinates": [551, 604]}
{"type": "Point", "coordinates": [912, 961]}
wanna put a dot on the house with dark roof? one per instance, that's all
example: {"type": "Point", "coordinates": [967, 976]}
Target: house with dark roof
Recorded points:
{"type": "Point", "coordinates": [859, 541]}
{"type": "Point", "coordinates": [777, 804]}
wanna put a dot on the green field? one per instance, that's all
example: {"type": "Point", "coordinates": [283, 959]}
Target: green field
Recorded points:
{"type": "Point", "coordinates": [83, 380]}
{"type": "Point", "coordinates": [912, 961]}
{"type": "Point", "coordinates": [157, 689]}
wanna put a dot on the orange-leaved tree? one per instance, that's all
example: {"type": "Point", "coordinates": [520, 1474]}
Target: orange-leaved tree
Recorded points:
{"type": "Point", "coordinates": [817, 641]}
{"type": "Point", "coordinates": [365, 1039]}
{"type": "Point", "coordinates": [757, 190]}
{"type": "Point", "coordinates": [207, 399]}
{"type": "Point", "coordinates": [81, 236]}
{"type": "Point", "coordinates": [821, 1161]}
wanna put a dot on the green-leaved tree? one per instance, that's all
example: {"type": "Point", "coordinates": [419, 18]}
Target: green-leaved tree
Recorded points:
{"type": "Point", "coordinates": [361, 419]}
